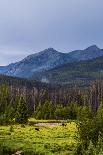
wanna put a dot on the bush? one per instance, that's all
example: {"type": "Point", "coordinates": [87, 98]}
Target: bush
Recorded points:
{"type": "Point", "coordinates": [68, 112]}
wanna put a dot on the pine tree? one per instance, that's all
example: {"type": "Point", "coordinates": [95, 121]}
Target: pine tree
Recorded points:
{"type": "Point", "coordinates": [21, 112]}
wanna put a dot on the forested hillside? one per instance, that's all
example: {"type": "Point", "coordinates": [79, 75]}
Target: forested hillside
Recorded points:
{"type": "Point", "coordinates": [77, 71]}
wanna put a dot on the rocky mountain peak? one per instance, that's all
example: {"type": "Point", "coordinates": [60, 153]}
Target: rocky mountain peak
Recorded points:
{"type": "Point", "coordinates": [92, 48]}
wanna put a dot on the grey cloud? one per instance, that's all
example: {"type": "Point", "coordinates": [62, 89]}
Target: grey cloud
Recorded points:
{"type": "Point", "coordinates": [33, 25]}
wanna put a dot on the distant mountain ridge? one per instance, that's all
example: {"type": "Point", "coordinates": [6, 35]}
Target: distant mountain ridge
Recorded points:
{"type": "Point", "coordinates": [87, 54]}
{"type": "Point", "coordinates": [65, 74]}
{"type": "Point", "coordinates": [48, 59]}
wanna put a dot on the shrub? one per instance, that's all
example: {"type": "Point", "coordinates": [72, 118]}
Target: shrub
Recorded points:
{"type": "Point", "coordinates": [11, 129]}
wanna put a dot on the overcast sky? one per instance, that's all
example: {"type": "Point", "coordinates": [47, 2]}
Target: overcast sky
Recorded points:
{"type": "Point", "coordinates": [29, 26]}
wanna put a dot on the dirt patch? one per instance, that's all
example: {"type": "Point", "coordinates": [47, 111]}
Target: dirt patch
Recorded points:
{"type": "Point", "coordinates": [48, 124]}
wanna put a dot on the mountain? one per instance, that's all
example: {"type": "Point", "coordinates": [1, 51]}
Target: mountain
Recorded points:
{"type": "Point", "coordinates": [86, 54]}
{"type": "Point", "coordinates": [82, 70]}
{"type": "Point", "coordinates": [48, 59]}
{"type": "Point", "coordinates": [38, 62]}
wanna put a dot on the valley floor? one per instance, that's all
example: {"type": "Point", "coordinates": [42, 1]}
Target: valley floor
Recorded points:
{"type": "Point", "coordinates": [39, 139]}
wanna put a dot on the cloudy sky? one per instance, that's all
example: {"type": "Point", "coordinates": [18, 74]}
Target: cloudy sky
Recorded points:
{"type": "Point", "coordinates": [29, 26]}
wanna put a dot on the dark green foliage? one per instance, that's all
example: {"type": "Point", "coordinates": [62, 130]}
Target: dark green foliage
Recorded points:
{"type": "Point", "coordinates": [6, 109]}
{"type": "Point", "coordinates": [50, 111]}
{"type": "Point", "coordinates": [60, 112]}
{"type": "Point", "coordinates": [4, 97]}
{"type": "Point", "coordinates": [73, 110]}
{"type": "Point", "coordinates": [21, 82]}
{"type": "Point", "coordinates": [87, 70]}
{"type": "Point", "coordinates": [87, 127]}
{"type": "Point", "coordinates": [21, 112]}
{"type": "Point", "coordinates": [45, 111]}
{"type": "Point", "coordinates": [84, 113]}
{"type": "Point", "coordinates": [90, 129]}
{"type": "Point", "coordinates": [68, 112]}
{"type": "Point", "coordinates": [11, 129]}
{"type": "Point", "coordinates": [18, 103]}
{"type": "Point", "coordinates": [99, 117]}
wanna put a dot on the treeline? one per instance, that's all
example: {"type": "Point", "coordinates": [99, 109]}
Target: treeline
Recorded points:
{"type": "Point", "coordinates": [22, 82]}
{"type": "Point", "coordinates": [57, 112]}
{"type": "Point", "coordinates": [62, 103]}
{"type": "Point", "coordinates": [22, 103]}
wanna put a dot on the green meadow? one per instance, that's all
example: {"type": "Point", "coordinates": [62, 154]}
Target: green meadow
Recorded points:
{"type": "Point", "coordinates": [43, 138]}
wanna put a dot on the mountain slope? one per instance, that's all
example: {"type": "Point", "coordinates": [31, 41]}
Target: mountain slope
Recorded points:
{"type": "Point", "coordinates": [44, 60]}
{"type": "Point", "coordinates": [25, 83]}
{"type": "Point", "coordinates": [86, 54]}
{"type": "Point", "coordinates": [47, 60]}
{"type": "Point", "coordinates": [82, 70]}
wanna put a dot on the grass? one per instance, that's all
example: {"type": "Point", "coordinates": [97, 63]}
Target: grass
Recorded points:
{"type": "Point", "coordinates": [49, 140]}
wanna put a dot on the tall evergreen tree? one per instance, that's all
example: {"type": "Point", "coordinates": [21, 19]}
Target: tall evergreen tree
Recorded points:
{"type": "Point", "coordinates": [21, 112]}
